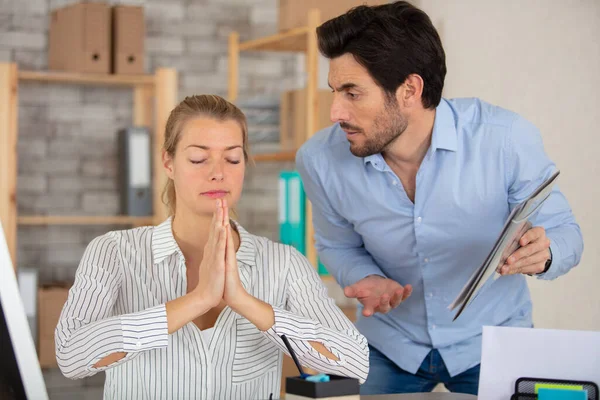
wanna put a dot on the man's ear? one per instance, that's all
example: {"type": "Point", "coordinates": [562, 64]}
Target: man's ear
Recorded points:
{"type": "Point", "coordinates": [410, 92]}
{"type": "Point", "coordinates": [168, 164]}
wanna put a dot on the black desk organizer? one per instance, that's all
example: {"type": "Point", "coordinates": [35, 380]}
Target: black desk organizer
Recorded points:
{"type": "Point", "coordinates": [337, 386]}
{"type": "Point", "coordinates": [525, 387]}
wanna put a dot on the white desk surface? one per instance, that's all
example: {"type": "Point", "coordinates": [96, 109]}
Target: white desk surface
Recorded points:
{"type": "Point", "coordinates": [420, 396]}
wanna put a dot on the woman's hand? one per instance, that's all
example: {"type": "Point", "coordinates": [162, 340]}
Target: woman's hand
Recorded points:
{"type": "Point", "coordinates": [234, 294]}
{"type": "Point", "coordinates": [211, 283]}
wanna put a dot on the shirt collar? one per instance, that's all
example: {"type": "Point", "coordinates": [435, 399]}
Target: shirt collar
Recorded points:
{"type": "Point", "coordinates": [444, 135]}
{"type": "Point", "coordinates": [164, 244]}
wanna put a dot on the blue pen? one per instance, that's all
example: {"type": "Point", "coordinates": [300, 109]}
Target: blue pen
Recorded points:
{"type": "Point", "coordinates": [289, 347]}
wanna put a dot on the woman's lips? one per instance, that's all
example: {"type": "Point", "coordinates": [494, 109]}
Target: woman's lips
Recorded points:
{"type": "Point", "coordinates": [215, 194]}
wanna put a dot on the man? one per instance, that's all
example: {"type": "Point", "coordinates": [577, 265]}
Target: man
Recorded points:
{"type": "Point", "coordinates": [409, 192]}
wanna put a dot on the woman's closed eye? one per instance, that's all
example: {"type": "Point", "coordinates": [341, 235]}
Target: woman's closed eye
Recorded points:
{"type": "Point", "coordinates": [201, 161]}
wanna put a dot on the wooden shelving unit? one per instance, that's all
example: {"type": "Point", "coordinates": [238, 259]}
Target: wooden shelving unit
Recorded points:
{"type": "Point", "coordinates": [86, 79]}
{"type": "Point", "coordinates": [304, 40]}
{"type": "Point", "coordinates": [155, 95]}
{"type": "Point", "coordinates": [292, 40]}
{"type": "Point", "coordinates": [280, 156]}
{"type": "Point", "coordinates": [84, 220]}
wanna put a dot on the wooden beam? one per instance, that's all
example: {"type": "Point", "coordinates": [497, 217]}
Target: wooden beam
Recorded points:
{"type": "Point", "coordinates": [143, 106]}
{"type": "Point", "coordinates": [312, 109]}
{"type": "Point", "coordinates": [293, 40]}
{"type": "Point", "coordinates": [280, 156]}
{"type": "Point", "coordinates": [8, 155]}
{"type": "Point", "coordinates": [166, 99]}
{"type": "Point", "coordinates": [233, 73]}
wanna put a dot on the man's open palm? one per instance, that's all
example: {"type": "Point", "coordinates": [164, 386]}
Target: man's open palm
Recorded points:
{"type": "Point", "coordinates": [378, 294]}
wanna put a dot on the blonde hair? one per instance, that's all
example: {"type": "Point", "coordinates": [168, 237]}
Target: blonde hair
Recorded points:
{"type": "Point", "coordinates": [206, 105]}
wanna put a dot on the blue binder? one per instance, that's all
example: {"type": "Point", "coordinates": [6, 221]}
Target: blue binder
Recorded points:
{"type": "Point", "coordinates": [292, 214]}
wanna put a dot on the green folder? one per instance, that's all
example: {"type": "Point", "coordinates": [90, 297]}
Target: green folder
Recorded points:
{"type": "Point", "coordinates": [292, 214]}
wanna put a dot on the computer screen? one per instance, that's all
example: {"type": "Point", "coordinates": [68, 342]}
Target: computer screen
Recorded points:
{"type": "Point", "coordinates": [20, 372]}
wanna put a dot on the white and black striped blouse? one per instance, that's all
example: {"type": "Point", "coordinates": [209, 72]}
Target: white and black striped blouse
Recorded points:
{"type": "Point", "coordinates": [117, 304]}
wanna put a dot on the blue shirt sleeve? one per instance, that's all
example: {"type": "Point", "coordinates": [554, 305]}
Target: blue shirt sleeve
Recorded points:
{"type": "Point", "coordinates": [527, 167]}
{"type": "Point", "coordinates": [339, 247]}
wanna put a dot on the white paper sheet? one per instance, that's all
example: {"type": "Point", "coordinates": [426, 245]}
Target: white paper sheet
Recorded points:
{"type": "Point", "coordinates": [511, 353]}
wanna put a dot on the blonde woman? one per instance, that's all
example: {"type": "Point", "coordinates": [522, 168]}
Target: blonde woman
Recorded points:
{"type": "Point", "coordinates": [194, 308]}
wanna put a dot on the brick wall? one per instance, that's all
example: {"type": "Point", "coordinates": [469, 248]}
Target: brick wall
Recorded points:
{"type": "Point", "coordinates": [67, 144]}
{"type": "Point", "coordinates": [67, 134]}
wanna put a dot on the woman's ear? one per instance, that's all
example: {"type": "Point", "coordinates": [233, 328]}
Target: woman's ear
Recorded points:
{"type": "Point", "coordinates": [168, 164]}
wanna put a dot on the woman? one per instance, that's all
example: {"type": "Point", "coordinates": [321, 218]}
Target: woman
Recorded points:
{"type": "Point", "coordinates": [194, 308]}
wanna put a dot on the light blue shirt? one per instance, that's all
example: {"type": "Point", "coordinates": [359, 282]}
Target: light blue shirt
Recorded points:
{"type": "Point", "coordinates": [482, 161]}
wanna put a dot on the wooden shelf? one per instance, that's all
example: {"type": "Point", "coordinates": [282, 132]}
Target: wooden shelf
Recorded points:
{"type": "Point", "coordinates": [292, 40]}
{"type": "Point", "coordinates": [83, 220]}
{"type": "Point", "coordinates": [86, 79]}
{"type": "Point", "coordinates": [279, 156]}
{"type": "Point", "coordinates": [326, 278]}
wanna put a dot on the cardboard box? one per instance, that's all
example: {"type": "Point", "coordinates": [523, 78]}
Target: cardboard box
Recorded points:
{"type": "Point", "coordinates": [294, 13]}
{"type": "Point", "coordinates": [128, 34]}
{"type": "Point", "coordinates": [79, 38]}
{"type": "Point", "coordinates": [50, 304]}
{"type": "Point", "coordinates": [293, 116]}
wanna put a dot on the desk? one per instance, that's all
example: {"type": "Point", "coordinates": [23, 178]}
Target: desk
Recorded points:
{"type": "Point", "coordinates": [420, 396]}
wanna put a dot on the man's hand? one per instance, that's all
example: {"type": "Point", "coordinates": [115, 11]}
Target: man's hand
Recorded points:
{"type": "Point", "coordinates": [531, 258]}
{"type": "Point", "coordinates": [378, 294]}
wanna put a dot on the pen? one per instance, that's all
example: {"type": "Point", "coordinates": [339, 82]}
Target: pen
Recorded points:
{"type": "Point", "coordinates": [289, 347]}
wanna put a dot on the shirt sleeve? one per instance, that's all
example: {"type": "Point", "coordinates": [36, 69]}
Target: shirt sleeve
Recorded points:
{"type": "Point", "coordinates": [340, 248]}
{"type": "Point", "coordinates": [88, 329]}
{"type": "Point", "coordinates": [527, 167]}
{"type": "Point", "coordinates": [311, 315]}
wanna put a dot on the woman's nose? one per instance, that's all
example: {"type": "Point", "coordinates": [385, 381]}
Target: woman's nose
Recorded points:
{"type": "Point", "coordinates": [217, 172]}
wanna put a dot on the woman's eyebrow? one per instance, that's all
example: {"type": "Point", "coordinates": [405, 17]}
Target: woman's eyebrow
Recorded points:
{"type": "Point", "coordinates": [208, 148]}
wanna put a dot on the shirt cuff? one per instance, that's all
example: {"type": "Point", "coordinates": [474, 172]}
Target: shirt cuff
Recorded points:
{"type": "Point", "coordinates": [145, 330]}
{"type": "Point", "coordinates": [360, 272]}
{"type": "Point", "coordinates": [554, 270]}
{"type": "Point", "coordinates": [292, 326]}
{"type": "Point", "coordinates": [300, 331]}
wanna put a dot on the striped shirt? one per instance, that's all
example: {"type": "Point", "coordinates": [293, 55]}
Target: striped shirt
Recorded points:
{"type": "Point", "coordinates": [117, 304]}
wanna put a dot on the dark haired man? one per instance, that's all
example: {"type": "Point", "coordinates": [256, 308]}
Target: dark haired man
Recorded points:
{"type": "Point", "coordinates": [409, 191]}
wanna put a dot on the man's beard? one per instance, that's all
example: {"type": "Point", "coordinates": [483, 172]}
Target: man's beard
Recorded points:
{"type": "Point", "coordinates": [388, 126]}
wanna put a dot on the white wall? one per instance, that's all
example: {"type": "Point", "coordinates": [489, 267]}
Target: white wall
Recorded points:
{"type": "Point", "coordinates": [540, 58]}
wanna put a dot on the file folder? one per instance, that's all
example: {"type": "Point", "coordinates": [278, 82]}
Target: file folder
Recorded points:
{"type": "Point", "coordinates": [292, 215]}
{"type": "Point", "coordinates": [517, 223]}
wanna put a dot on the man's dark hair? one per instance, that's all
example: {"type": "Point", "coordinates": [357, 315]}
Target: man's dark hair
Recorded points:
{"type": "Point", "coordinates": [391, 41]}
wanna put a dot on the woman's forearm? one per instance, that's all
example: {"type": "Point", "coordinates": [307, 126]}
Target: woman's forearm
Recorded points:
{"type": "Point", "coordinates": [256, 311]}
{"type": "Point", "coordinates": [185, 309]}
{"type": "Point", "coordinates": [179, 312]}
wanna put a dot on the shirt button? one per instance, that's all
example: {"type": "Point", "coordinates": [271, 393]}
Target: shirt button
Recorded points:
{"type": "Point", "coordinates": [430, 295]}
{"type": "Point", "coordinates": [433, 326]}
{"type": "Point", "coordinates": [138, 345]}
{"type": "Point", "coordinates": [426, 260]}
{"type": "Point", "coordinates": [394, 183]}
{"type": "Point", "coordinates": [419, 220]}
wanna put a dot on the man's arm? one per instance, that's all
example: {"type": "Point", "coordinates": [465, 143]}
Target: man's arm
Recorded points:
{"type": "Point", "coordinates": [340, 248]}
{"type": "Point", "coordinates": [527, 167]}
